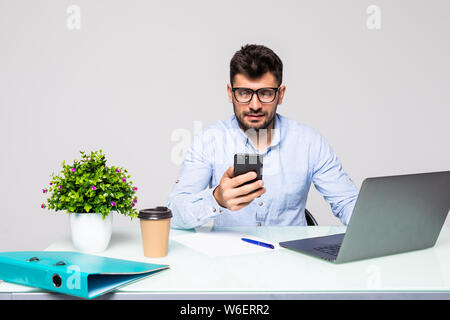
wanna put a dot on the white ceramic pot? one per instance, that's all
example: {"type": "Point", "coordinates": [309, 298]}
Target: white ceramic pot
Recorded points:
{"type": "Point", "coordinates": [90, 233]}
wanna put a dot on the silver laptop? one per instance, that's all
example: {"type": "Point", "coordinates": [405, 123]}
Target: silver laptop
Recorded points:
{"type": "Point", "coordinates": [392, 214]}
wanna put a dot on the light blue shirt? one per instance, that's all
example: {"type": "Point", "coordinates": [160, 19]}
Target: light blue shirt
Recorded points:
{"type": "Point", "coordinates": [297, 156]}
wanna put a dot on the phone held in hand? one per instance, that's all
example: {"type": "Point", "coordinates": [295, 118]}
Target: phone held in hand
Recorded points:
{"type": "Point", "coordinates": [245, 162]}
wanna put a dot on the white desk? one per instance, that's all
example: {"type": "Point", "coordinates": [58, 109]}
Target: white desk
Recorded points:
{"type": "Point", "coordinates": [271, 274]}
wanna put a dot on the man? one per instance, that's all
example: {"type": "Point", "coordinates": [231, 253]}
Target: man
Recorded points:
{"type": "Point", "coordinates": [294, 156]}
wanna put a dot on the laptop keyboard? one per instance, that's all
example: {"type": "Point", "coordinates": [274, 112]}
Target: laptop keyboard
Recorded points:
{"type": "Point", "coordinates": [330, 249]}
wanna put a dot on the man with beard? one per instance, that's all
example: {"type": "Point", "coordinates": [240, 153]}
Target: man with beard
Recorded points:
{"type": "Point", "coordinates": [294, 156]}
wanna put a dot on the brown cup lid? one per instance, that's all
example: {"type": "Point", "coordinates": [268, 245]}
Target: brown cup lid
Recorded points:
{"type": "Point", "coordinates": [157, 213]}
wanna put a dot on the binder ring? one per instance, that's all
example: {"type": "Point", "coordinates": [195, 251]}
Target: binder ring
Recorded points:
{"type": "Point", "coordinates": [57, 281]}
{"type": "Point", "coordinates": [33, 259]}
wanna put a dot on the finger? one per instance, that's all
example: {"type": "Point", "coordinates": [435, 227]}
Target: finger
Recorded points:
{"type": "Point", "coordinates": [245, 200]}
{"type": "Point", "coordinates": [239, 207]}
{"type": "Point", "coordinates": [229, 173]}
{"type": "Point", "coordinates": [238, 180]}
{"type": "Point", "coordinates": [246, 189]}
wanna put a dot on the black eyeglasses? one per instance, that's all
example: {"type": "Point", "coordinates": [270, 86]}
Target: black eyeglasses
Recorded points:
{"type": "Point", "coordinates": [245, 95]}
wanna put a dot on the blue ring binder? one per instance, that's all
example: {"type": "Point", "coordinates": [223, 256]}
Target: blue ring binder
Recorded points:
{"type": "Point", "coordinates": [73, 273]}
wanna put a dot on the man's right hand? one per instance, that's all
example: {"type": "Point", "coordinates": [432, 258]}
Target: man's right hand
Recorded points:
{"type": "Point", "coordinates": [231, 195]}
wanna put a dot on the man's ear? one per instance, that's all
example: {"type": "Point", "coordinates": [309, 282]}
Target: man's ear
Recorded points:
{"type": "Point", "coordinates": [230, 93]}
{"type": "Point", "coordinates": [281, 92]}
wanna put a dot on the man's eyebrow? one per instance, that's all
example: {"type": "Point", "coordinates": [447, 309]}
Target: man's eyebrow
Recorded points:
{"type": "Point", "coordinates": [256, 88]}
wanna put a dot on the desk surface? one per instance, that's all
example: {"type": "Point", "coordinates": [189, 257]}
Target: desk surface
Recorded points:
{"type": "Point", "coordinates": [270, 274]}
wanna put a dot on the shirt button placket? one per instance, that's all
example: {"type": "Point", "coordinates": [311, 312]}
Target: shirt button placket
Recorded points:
{"type": "Point", "coordinates": [260, 213]}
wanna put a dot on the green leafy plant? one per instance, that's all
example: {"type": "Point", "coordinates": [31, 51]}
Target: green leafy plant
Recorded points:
{"type": "Point", "coordinates": [90, 186]}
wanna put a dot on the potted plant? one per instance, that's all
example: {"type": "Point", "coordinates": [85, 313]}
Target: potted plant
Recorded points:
{"type": "Point", "coordinates": [89, 191]}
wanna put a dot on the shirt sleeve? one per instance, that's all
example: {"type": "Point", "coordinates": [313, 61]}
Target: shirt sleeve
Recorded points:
{"type": "Point", "coordinates": [191, 201]}
{"type": "Point", "coordinates": [332, 181]}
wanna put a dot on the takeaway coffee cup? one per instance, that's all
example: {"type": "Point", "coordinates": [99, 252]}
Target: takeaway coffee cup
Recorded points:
{"type": "Point", "coordinates": [155, 227]}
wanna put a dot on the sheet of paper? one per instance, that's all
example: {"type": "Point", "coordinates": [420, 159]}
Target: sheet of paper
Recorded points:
{"type": "Point", "coordinates": [222, 243]}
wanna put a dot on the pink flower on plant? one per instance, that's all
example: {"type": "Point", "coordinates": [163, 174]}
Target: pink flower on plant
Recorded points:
{"type": "Point", "coordinates": [44, 190]}
{"type": "Point", "coordinates": [124, 180]}
{"type": "Point", "coordinates": [50, 183]}
{"type": "Point", "coordinates": [117, 170]}
{"type": "Point", "coordinates": [135, 189]}
{"type": "Point", "coordinates": [132, 204]}
{"type": "Point", "coordinates": [42, 206]}
{"type": "Point", "coordinates": [93, 187]}
{"type": "Point", "coordinates": [113, 203]}
{"type": "Point", "coordinates": [73, 169]}
{"type": "Point", "coordinates": [59, 187]}
{"type": "Point", "coordinates": [135, 200]}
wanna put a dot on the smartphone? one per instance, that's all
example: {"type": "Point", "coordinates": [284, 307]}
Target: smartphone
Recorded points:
{"type": "Point", "coordinates": [245, 162]}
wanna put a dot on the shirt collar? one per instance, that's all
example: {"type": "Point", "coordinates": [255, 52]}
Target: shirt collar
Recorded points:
{"type": "Point", "coordinates": [276, 132]}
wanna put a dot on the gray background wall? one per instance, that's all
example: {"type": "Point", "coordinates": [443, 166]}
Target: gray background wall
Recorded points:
{"type": "Point", "coordinates": [130, 78]}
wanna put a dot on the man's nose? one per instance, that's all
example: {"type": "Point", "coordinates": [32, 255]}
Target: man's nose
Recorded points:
{"type": "Point", "coordinates": [255, 104]}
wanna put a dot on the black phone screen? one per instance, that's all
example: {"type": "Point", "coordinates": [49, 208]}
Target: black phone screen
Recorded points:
{"type": "Point", "coordinates": [246, 162]}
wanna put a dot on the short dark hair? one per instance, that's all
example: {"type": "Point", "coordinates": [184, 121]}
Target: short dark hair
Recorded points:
{"type": "Point", "coordinates": [253, 61]}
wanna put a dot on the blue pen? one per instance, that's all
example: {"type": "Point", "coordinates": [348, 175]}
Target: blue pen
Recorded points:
{"type": "Point", "coordinates": [259, 243]}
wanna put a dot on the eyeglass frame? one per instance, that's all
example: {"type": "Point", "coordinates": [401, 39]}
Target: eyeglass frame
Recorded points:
{"type": "Point", "coordinates": [255, 91]}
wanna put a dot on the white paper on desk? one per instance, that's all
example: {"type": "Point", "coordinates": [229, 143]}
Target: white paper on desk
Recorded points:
{"type": "Point", "coordinates": [222, 243]}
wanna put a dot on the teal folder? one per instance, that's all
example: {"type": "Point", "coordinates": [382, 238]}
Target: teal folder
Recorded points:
{"type": "Point", "coordinates": [77, 274]}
